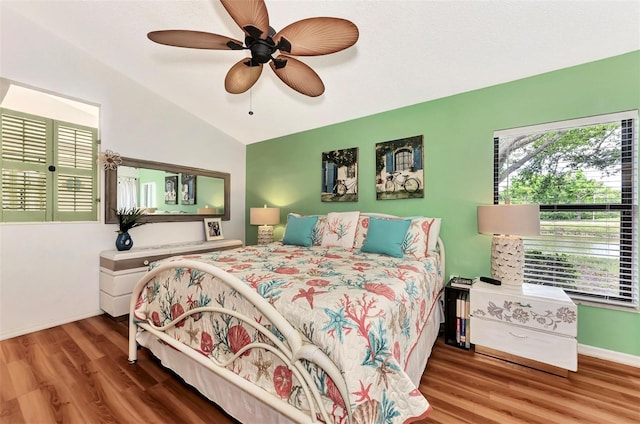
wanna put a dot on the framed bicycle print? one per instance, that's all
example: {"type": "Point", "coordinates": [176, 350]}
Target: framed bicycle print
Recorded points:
{"type": "Point", "coordinates": [399, 169]}
{"type": "Point", "coordinates": [213, 229]}
{"type": "Point", "coordinates": [340, 175]}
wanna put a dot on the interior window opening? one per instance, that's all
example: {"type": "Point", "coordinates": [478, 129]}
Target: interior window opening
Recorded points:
{"type": "Point", "coordinates": [49, 156]}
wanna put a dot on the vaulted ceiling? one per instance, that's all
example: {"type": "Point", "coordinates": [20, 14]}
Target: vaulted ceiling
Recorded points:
{"type": "Point", "coordinates": [408, 52]}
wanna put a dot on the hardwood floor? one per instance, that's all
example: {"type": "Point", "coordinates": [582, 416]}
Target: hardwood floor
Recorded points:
{"type": "Point", "coordinates": [78, 373]}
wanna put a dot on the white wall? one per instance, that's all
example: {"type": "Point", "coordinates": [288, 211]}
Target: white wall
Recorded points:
{"type": "Point", "coordinates": [49, 272]}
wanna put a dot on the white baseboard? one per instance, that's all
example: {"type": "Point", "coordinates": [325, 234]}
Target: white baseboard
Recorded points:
{"type": "Point", "coordinates": [43, 326]}
{"type": "Point", "coordinates": [609, 355]}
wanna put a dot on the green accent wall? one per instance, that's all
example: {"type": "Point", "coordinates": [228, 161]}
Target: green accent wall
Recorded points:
{"type": "Point", "coordinates": [458, 164]}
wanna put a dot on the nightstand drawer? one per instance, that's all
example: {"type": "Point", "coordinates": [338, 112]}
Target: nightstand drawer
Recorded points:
{"type": "Point", "coordinates": [556, 350]}
{"type": "Point", "coordinates": [537, 307]}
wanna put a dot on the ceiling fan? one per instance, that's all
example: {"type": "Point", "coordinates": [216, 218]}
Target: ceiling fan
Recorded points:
{"type": "Point", "coordinates": [307, 37]}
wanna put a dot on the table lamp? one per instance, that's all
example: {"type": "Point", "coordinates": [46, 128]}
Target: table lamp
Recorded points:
{"type": "Point", "coordinates": [506, 223]}
{"type": "Point", "coordinates": [265, 217]}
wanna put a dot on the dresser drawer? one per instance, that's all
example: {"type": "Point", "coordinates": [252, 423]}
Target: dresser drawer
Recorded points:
{"type": "Point", "coordinates": [536, 307]}
{"type": "Point", "coordinates": [117, 283]}
{"type": "Point", "coordinates": [116, 306]}
{"type": "Point", "coordinates": [557, 350]}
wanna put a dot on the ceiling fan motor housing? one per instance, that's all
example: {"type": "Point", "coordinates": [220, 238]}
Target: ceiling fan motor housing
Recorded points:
{"type": "Point", "coordinates": [262, 50]}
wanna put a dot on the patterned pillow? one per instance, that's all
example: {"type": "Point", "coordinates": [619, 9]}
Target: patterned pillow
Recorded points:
{"type": "Point", "coordinates": [340, 229]}
{"type": "Point", "coordinates": [361, 231]}
{"type": "Point", "coordinates": [318, 230]}
{"type": "Point", "coordinates": [421, 237]}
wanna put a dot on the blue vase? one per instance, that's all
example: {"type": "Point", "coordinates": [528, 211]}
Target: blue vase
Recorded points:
{"type": "Point", "coordinates": [124, 241]}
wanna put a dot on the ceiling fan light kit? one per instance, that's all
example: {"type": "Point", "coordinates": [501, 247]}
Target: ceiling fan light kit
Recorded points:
{"type": "Point", "coordinates": [307, 37]}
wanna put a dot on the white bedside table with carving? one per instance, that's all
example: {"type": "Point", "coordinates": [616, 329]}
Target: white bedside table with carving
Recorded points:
{"type": "Point", "coordinates": [532, 325]}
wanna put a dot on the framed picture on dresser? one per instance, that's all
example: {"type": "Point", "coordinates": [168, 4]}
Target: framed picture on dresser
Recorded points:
{"type": "Point", "coordinates": [213, 229]}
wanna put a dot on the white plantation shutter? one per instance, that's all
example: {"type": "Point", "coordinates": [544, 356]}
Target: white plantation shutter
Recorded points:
{"type": "Point", "coordinates": [32, 146]}
{"type": "Point", "coordinates": [589, 232]}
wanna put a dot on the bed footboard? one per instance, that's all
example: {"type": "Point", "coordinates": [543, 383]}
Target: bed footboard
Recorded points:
{"type": "Point", "coordinates": [276, 339]}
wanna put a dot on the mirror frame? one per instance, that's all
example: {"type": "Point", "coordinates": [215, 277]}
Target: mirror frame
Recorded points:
{"type": "Point", "coordinates": [111, 194]}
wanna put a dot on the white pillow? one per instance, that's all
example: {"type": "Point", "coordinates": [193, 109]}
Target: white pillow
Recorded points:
{"type": "Point", "coordinates": [340, 229]}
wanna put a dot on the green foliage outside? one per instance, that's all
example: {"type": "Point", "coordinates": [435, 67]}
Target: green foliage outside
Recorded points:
{"type": "Point", "coordinates": [554, 268]}
{"type": "Point", "coordinates": [549, 168]}
{"type": "Point", "coordinates": [562, 168]}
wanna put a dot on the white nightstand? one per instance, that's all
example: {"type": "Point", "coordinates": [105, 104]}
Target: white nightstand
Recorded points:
{"type": "Point", "coordinates": [532, 325]}
{"type": "Point", "coordinates": [121, 270]}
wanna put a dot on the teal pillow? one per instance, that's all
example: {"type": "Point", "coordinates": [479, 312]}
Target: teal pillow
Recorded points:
{"type": "Point", "coordinates": [298, 231]}
{"type": "Point", "coordinates": [386, 236]}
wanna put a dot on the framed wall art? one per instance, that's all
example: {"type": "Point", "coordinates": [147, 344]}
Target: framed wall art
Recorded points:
{"type": "Point", "coordinates": [399, 169]}
{"type": "Point", "coordinates": [213, 229]}
{"type": "Point", "coordinates": [171, 190]}
{"type": "Point", "coordinates": [188, 189]}
{"type": "Point", "coordinates": [340, 175]}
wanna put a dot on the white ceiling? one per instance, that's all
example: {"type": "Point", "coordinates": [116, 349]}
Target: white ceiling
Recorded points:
{"type": "Point", "coordinates": [408, 52]}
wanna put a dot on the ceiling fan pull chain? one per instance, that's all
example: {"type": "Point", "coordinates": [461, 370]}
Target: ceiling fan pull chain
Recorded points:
{"type": "Point", "coordinates": [251, 101]}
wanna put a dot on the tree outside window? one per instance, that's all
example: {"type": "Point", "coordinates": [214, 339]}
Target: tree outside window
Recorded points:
{"type": "Point", "coordinates": [582, 175]}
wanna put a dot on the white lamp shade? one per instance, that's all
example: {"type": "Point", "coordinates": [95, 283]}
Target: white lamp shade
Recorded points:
{"type": "Point", "coordinates": [264, 216]}
{"type": "Point", "coordinates": [517, 220]}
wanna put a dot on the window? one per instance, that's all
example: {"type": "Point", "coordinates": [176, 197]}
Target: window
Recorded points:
{"type": "Point", "coordinates": [403, 159]}
{"type": "Point", "coordinates": [583, 173]}
{"type": "Point", "coordinates": [49, 169]}
{"type": "Point", "coordinates": [148, 195]}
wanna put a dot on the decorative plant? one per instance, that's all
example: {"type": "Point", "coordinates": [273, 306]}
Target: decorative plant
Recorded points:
{"type": "Point", "coordinates": [129, 218]}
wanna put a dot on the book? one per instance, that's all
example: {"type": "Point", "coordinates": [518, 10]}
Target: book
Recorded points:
{"type": "Point", "coordinates": [461, 283]}
{"type": "Point", "coordinates": [467, 315]}
{"type": "Point", "coordinates": [463, 319]}
{"type": "Point", "coordinates": [458, 318]}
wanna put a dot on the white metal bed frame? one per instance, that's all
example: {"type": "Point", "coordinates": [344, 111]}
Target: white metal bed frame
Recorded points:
{"type": "Point", "coordinates": [291, 353]}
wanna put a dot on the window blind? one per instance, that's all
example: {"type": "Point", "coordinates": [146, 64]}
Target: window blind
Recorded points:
{"type": "Point", "coordinates": [583, 173]}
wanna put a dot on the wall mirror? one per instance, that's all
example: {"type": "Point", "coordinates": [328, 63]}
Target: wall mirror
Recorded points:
{"type": "Point", "coordinates": [166, 193]}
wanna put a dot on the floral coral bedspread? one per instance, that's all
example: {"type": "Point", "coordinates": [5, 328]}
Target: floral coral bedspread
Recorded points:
{"type": "Point", "coordinates": [366, 311]}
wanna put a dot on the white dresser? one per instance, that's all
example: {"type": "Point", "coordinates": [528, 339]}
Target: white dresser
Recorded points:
{"type": "Point", "coordinates": [532, 325]}
{"type": "Point", "coordinates": [121, 270]}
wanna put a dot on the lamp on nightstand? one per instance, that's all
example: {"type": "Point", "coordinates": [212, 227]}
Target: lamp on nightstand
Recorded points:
{"type": "Point", "coordinates": [264, 217]}
{"type": "Point", "coordinates": [507, 222]}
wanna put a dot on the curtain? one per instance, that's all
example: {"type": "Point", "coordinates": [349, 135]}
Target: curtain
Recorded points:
{"type": "Point", "coordinates": [127, 192]}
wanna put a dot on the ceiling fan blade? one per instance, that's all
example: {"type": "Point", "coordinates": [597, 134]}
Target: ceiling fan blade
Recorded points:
{"type": "Point", "coordinates": [241, 77]}
{"type": "Point", "coordinates": [318, 36]}
{"type": "Point", "coordinates": [192, 39]}
{"type": "Point", "coordinates": [249, 13]}
{"type": "Point", "coordinates": [298, 76]}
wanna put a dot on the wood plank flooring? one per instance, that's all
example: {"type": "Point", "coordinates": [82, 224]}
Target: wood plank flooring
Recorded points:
{"type": "Point", "coordinates": [78, 373]}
